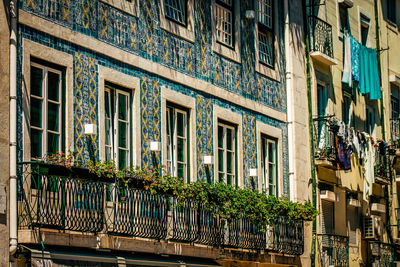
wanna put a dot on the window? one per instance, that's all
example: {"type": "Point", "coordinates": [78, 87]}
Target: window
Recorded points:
{"type": "Point", "coordinates": [269, 165]}
{"type": "Point", "coordinates": [117, 125]}
{"type": "Point", "coordinates": [224, 22]}
{"type": "Point", "coordinates": [45, 111]}
{"type": "Point", "coordinates": [322, 100]}
{"type": "Point", "coordinates": [175, 10]}
{"type": "Point", "coordinates": [344, 17]}
{"type": "Point", "coordinates": [352, 223]}
{"type": "Point", "coordinates": [347, 114]}
{"type": "Point", "coordinates": [226, 153]}
{"type": "Point", "coordinates": [391, 10]}
{"type": "Point", "coordinates": [364, 22]}
{"type": "Point", "coordinates": [177, 142]}
{"type": "Point", "coordinates": [394, 99]}
{"type": "Point", "coordinates": [265, 32]}
{"type": "Point", "coordinates": [370, 121]}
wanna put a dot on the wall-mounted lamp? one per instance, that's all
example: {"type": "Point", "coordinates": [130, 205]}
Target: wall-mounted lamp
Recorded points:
{"type": "Point", "coordinates": [250, 14]}
{"type": "Point", "coordinates": [253, 172]}
{"type": "Point", "coordinates": [155, 146]}
{"type": "Point", "coordinates": [208, 159]}
{"type": "Point", "coordinates": [90, 129]}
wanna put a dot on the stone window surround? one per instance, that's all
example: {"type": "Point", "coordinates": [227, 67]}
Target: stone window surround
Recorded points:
{"type": "Point", "coordinates": [223, 50]}
{"type": "Point", "coordinates": [32, 49]}
{"type": "Point", "coordinates": [186, 32]}
{"type": "Point", "coordinates": [263, 129]}
{"type": "Point", "coordinates": [128, 82]}
{"type": "Point", "coordinates": [272, 73]}
{"type": "Point", "coordinates": [168, 95]}
{"type": "Point", "coordinates": [234, 118]}
{"type": "Point", "coordinates": [125, 6]}
{"type": "Point", "coordinates": [363, 13]}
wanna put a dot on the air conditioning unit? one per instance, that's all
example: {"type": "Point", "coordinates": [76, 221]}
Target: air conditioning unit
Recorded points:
{"type": "Point", "coordinates": [354, 202]}
{"type": "Point", "coordinates": [372, 227]}
{"type": "Point", "coordinates": [328, 195]}
{"type": "Point", "coordinates": [377, 207]}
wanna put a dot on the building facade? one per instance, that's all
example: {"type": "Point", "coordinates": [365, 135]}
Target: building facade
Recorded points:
{"type": "Point", "coordinates": [198, 86]}
{"type": "Point", "coordinates": [353, 142]}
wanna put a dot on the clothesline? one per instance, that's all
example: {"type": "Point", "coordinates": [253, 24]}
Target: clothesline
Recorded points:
{"type": "Point", "coordinates": [361, 67]}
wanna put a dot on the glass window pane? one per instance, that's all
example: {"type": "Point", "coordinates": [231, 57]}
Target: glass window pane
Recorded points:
{"type": "Point", "coordinates": [122, 159]}
{"type": "Point", "coordinates": [108, 132]}
{"type": "Point", "coordinates": [265, 47]}
{"type": "Point", "coordinates": [36, 81]}
{"type": "Point", "coordinates": [181, 170]}
{"type": "Point", "coordinates": [229, 139]}
{"type": "Point", "coordinates": [223, 18]}
{"type": "Point", "coordinates": [36, 143]}
{"type": "Point", "coordinates": [271, 150]}
{"type": "Point", "coordinates": [181, 150]}
{"type": "Point", "coordinates": [220, 136]}
{"type": "Point", "coordinates": [123, 134]}
{"type": "Point", "coordinates": [36, 112]}
{"type": "Point", "coordinates": [53, 86]}
{"type": "Point", "coordinates": [53, 116]}
{"type": "Point", "coordinates": [181, 124]}
{"type": "Point", "coordinates": [221, 177]}
{"type": "Point", "coordinates": [107, 104]}
{"type": "Point", "coordinates": [230, 162]}
{"type": "Point", "coordinates": [265, 12]}
{"type": "Point", "coordinates": [271, 171]}
{"type": "Point", "coordinates": [229, 179]}
{"type": "Point", "coordinates": [122, 107]}
{"type": "Point", "coordinates": [109, 157]}
{"type": "Point", "coordinates": [220, 160]}
{"type": "Point", "coordinates": [52, 143]}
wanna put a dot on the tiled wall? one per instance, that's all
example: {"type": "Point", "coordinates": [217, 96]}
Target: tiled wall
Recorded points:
{"type": "Point", "coordinates": [144, 37]}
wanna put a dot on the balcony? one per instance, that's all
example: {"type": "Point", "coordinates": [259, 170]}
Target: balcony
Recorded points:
{"type": "Point", "coordinates": [74, 202]}
{"type": "Point", "coordinates": [395, 132]}
{"type": "Point", "coordinates": [382, 164]}
{"type": "Point", "coordinates": [324, 143]}
{"type": "Point", "coordinates": [381, 254]}
{"type": "Point", "coordinates": [321, 46]}
{"type": "Point", "coordinates": [334, 250]}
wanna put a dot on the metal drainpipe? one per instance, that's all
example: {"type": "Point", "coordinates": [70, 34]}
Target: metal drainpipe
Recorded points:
{"type": "Point", "coordinates": [289, 99]}
{"type": "Point", "coordinates": [311, 132]}
{"type": "Point", "coordinates": [13, 127]}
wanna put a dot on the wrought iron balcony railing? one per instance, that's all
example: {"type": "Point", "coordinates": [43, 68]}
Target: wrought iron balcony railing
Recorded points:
{"type": "Point", "coordinates": [334, 250]}
{"type": "Point", "coordinates": [382, 163]}
{"type": "Point", "coordinates": [321, 36]}
{"type": "Point", "coordinates": [395, 132]}
{"type": "Point", "coordinates": [324, 139]}
{"type": "Point", "coordinates": [55, 197]}
{"type": "Point", "coordinates": [381, 254]}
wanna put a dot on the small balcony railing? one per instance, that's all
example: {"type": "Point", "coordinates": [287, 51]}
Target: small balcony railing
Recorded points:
{"type": "Point", "coordinates": [334, 250]}
{"type": "Point", "coordinates": [321, 36]}
{"type": "Point", "coordinates": [381, 254]}
{"type": "Point", "coordinates": [382, 163]}
{"type": "Point", "coordinates": [324, 139]}
{"type": "Point", "coordinates": [55, 197]}
{"type": "Point", "coordinates": [395, 132]}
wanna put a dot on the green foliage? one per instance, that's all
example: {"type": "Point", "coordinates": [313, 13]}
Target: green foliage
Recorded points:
{"type": "Point", "coordinates": [223, 200]}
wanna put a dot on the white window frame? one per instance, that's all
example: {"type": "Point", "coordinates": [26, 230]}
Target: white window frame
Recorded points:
{"type": "Point", "coordinates": [348, 4]}
{"type": "Point", "coordinates": [225, 151]}
{"type": "Point", "coordinates": [130, 83]}
{"type": "Point", "coordinates": [184, 31]}
{"type": "Point", "coordinates": [172, 140]}
{"type": "Point", "coordinates": [233, 118]}
{"type": "Point", "coordinates": [188, 103]}
{"type": "Point", "coordinates": [269, 71]}
{"type": "Point", "coordinates": [232, 53]}
{"type": "Point", "coordinates": [32, 49]}
{"type": "Point", "coordinates": [265, 164]}
{"type": "Point", "coordinates": [276, 135]}
{"type": "Point", "coordinates": [131, 7]}
{"type": "Point", "coordinates": [44, 112]}
{"type": "Point", "coordinates": [114, 134]}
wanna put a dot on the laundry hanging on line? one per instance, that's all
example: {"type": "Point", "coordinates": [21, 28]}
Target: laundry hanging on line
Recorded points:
{"type": "Point", "coordinates": [361, 65]}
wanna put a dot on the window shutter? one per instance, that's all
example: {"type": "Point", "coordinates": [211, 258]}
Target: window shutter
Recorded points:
{"type": "Point", "coordinates": [352, 224]}
{"type": "Point", "coordinates": [327, 217]}
{"type": "Point", "coordinates": [369, 227]}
